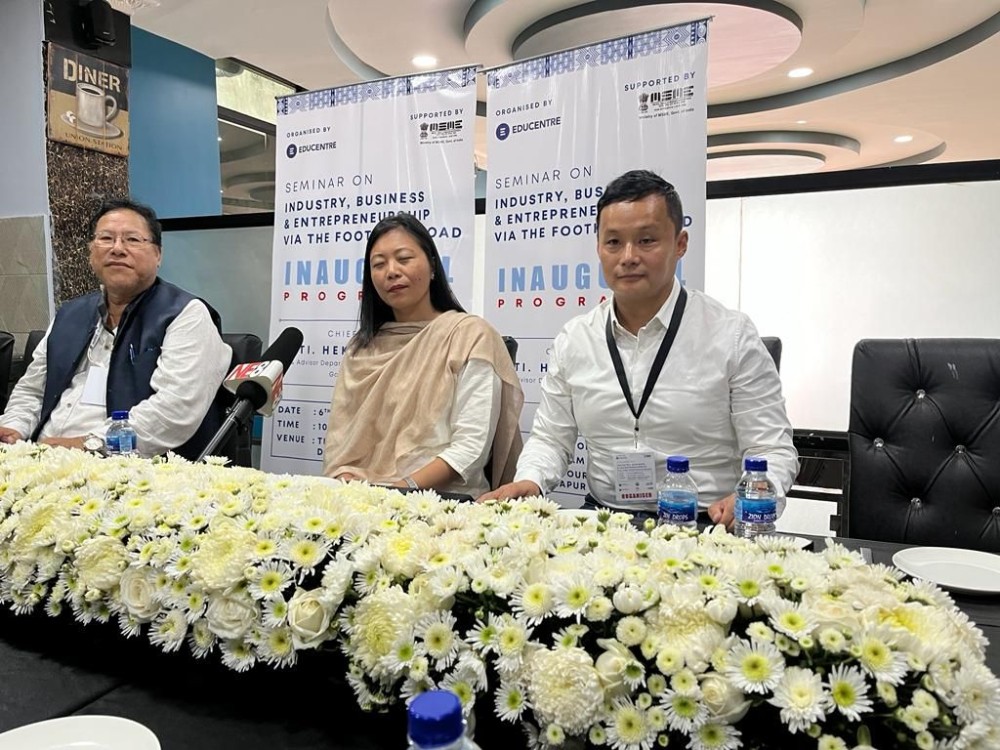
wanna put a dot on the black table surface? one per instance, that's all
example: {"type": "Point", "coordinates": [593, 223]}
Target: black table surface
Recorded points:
{"type": "Point", "coordinates": [50, 667]}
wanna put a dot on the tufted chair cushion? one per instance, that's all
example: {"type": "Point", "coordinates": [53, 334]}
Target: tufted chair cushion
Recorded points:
{"type": "Point", "coordinates": [925, 442]}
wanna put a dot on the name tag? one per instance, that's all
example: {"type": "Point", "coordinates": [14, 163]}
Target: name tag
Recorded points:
{"type": "Point", "coordinates": [635, 478]}
{"type": "Point", "coordinates": [95, 390]}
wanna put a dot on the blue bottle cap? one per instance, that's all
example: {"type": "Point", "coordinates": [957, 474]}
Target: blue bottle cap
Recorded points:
{"type": "Point", "coordinates": [119, 414]}
{"type": "Point", "coordinates": [677, 464]}
{"type": "Point", "coordinates": [754, 463]}
{"type": "Point", "coordinates": [435, 719]}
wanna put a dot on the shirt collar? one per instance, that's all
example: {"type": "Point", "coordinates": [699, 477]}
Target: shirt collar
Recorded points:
{"type": "Point", "coordinates": [662, 317]}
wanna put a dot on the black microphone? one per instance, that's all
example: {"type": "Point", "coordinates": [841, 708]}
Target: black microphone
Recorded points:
{"type": "Point", "coordinates": [257, 385]}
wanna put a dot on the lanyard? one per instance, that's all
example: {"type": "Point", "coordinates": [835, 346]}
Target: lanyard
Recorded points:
{"type": "Point", "coordinates": [654, 372]}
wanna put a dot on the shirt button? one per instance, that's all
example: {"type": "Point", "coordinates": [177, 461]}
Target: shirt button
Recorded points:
{"type": "Point", "coordinates": [920, 394]}
{"type": "Point", "coordinates": [879, 442]}
{"type": "Point", "coordinates": [915, 501]}
{"type": "Point", "coordinates": [959, 449]}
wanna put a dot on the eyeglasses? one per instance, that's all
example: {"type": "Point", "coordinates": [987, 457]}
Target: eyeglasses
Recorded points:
{"type": "Point", "coordinates": [131, 241]}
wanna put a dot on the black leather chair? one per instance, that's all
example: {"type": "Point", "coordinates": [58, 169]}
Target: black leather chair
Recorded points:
{"type": "Point", "coordinates": [511, 343]}
{"type": "Point", "coordinates": [29, 346]}
{"type": "Point", "coordinates": [246, 348]}
{"type": "Point", "coordinates": [924, 439]}
{"type": "Point", "coordinates": [773, 344]}
{"type": "Point", "coordinates": [6, 357]}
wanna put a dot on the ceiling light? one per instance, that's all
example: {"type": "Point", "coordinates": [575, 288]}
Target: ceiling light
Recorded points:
{"type": "Point", "coordinates": [801, 122]}
{"type": "Point", "coordinates": [800, 72]}
{"type": "Point", "coordinates": [424, 61]}
{"type": "Point", "coordinates": [220, 139]}
{"type": "Point", "coordinates": [903, 138]}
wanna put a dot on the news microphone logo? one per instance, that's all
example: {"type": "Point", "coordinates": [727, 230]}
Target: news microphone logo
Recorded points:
{"type": "Point", "coordinates": [268, 375]}
{"type": "Point", "coordinates": [503, 131]}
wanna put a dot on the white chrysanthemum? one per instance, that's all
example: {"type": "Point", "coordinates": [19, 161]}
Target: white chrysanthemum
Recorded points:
{"type": "Point", "coordinates": [628, 728]}
{"type": "Point", "coordinates": [564, 688]}
{"type": "Point", "coordinates": [238, 655]}
{"type": "Point", "coordinates": [168, 630]}
{"type": "Point", "coordinates": [754, 666]}
{"type": "Point", "coordinates": [685, 712]}
{"type": "Point", "coordinates": [791, 619]}
{"type": "Point", "coordinates": [534, 601]}
{"type": "Point", "coordinates": [976, 695]}
{"type": "Point", "coordinates": [573, 592]}
{"type": "Point", "coordinates": [306, 553]}
{"type": "Point", "coordinates": [100, 562]}
{"type": "Point", "coordinates": [801, 697]}
{"type": "Point", "coordinates": [270, 580]}
{"type": "Point", "coordinates": [878, 658]}
{"type": "Point", "coordinates": [223, 554]}
{"type": "Point", "coordinates": [631, 630]}
{"type": "Point", "coordinates": [437, 631]}
{"type": "Point", "coordinates": [376, 623]}
{"type": "Point", "coordinates": [849, 691]}
{"type": "Point", "coordinates": [512, 638]}
{"type": "Point", "coordinates": [483, 635]}
{"type": "Point", "coordinates": [600, 609]}
{"type": "Point", "coordinates": [829, 742]}
{"type": "Point", "coordinates": [715, 737]}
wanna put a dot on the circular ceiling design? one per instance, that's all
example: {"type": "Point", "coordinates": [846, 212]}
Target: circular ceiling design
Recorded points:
{"type": "Point", "coordinates": [737, 165]}
{"type": "Point", "coordinates": [746, 41]}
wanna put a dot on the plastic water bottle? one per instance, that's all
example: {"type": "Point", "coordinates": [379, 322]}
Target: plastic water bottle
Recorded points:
{"type": "Point", "coordinates": [434, 722]}
{"type": "Point", "coordinates": [756, 500]}
{"type": "Point", "coordinates": [120, 437]}
{"type": "Point", "coordinates": [677, 497]}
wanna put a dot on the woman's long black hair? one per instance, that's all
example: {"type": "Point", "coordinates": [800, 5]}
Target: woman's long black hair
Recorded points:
{"type": "Point", "coordinates": [374, 311]}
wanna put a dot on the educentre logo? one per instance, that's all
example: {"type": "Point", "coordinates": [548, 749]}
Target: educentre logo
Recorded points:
{"type": "Point", "coordinates": [503, 131]}
{"type": "Point", "coordinates": [291, 151]}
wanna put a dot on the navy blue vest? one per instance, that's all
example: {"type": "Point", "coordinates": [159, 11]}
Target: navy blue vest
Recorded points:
{"type": "Point", "coordinates": [133, 358]}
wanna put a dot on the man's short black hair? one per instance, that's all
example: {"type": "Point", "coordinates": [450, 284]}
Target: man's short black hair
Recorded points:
{"type": "Point", "coordinates": [636, 185]}
{"type": "Point", "coordinates": [118, 204]}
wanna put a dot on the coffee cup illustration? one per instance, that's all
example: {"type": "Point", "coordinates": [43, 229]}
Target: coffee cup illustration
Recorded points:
{"type": "Point", "coordinates": [94, 108]}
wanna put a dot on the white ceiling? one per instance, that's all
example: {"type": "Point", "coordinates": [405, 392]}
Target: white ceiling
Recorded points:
{"type": "Point", "coordinates": [929, 69]}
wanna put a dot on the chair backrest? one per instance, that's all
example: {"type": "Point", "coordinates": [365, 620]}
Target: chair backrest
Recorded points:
{"type": "Point", "coordinates": [29, 346]}
{"type": "Point", "coordinates": [246, 348]}
{"type": "Point", "coordinates": [773, 344]}
{"type": "Point", "coordinates": [511, 343]}
{"type": "Point", "coordinates": [924, 439]}
{"type": "Point", "coordinates": [6, 357]}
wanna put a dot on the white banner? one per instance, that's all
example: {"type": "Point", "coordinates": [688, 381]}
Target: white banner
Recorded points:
{"type": "Point", "coordinates": [346, 159]}
{"type": "Point", "coordinates": [560, 128]}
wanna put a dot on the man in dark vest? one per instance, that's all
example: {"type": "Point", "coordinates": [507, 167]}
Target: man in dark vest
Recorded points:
{"type": "Point", "coordinates": [140, 343]}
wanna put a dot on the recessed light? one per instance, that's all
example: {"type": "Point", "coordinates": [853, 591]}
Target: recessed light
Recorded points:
{"type": "Point", "coordinates": [801, 122]}
{"type": "Point", "coordinates": [424, 61]}
{"type": "Point", "coordinates": [800, 72]}
{"type": "Point", "coordinates": [903, 138]}
{"type": "Point", "coordinates": [220, 139]}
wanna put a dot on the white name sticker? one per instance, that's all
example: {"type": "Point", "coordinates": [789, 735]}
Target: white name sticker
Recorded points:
{"type": "Point", "coordinates": [635, 478]}
{"type": "Point", "coordinates": [95, 390]}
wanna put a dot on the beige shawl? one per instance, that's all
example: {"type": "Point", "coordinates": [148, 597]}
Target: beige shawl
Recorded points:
{"type": "Point", "coordinates": [390, 394]}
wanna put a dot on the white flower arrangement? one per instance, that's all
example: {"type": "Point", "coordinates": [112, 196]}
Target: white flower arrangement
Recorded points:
{"type": "Point", "coordinates": [576, 627]}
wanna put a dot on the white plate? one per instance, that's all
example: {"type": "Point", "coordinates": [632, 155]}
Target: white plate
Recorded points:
{"type": "Point", "coordinates": [965, 570]}
{"type": "Point", "coordinates": [81, 733]}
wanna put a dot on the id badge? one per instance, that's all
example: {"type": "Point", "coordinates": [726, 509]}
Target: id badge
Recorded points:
{"type": "Point", "coordinates": [95, 390]}
{"type": "Point", "coordinates": [635, 479]}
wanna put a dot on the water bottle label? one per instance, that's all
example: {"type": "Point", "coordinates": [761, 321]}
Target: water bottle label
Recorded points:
{"type": "Point", "coordinates": [677, 507]}
{"type": "Point", "coordinates": [756, 511]}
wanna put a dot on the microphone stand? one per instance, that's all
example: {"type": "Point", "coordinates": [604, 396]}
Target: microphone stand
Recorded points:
{"type": "Point", "coordinates": [236, 419]}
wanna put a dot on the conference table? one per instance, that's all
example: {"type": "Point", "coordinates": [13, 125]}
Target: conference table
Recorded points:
{"type": "Point", "coordinates": [53, 667]}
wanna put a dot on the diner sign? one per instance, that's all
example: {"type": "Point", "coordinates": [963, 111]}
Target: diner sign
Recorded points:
{"type": "Point", "coordinates": [560, 127]}
{"type": "Point", "coordinates": [87, 101]}
{"type": "Point", "coordinates": [347, 158]}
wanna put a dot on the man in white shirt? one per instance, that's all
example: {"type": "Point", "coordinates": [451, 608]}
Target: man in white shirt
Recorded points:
{"type": "Point", "coordinates": [715, 399]}
{"type": "Point", "coordinates": [140, 344]}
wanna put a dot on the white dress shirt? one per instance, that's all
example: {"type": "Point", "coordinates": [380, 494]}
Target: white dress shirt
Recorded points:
{"type": "Point", "coordinates": [717, 400]}
{"type": "Point", "coordinates": [192, 362]}
{"type": "Point", "coordinates": [464, 437]}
